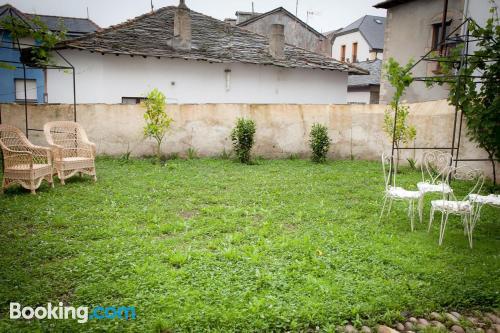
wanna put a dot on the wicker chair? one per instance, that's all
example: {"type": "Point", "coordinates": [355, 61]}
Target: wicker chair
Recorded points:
{"type": "Point", "coordinates": [23, 163]}
{"type": "Point", "coordinates": [72, 151]}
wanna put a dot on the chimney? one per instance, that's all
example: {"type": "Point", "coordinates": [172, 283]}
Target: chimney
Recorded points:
{"type": "Point", "coordinates": [182, 27]}
{"type": "Point", "coordinates": [277, 41]}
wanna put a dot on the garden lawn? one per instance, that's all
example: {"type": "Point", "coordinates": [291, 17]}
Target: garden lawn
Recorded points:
{"type": "Point", "coordinates": [215, 245]}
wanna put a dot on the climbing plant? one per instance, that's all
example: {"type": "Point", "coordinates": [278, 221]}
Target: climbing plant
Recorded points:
{"type": "Point", "coordinates": [475, 89]}
{"type": "Point", "coordinates": [44, 38]}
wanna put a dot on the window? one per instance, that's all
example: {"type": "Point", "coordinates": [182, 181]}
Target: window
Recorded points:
{"type": "Point", "coordinates": [354, 52]}
{"type": "Point", "coordinates": [132, 100]}
{"type": "Point", "coordinates": [436, 34]}
{"type": "Point", "coordinates": [342, 53]}
{"type": "Point", "coordinates": [31, 93]}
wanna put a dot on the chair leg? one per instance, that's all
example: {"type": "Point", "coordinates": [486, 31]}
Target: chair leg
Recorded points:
{"type": "Point", "coordinates": [411, 211]}
{"type": "Point", "coordinates": [421, 208]}
{"type": "Point", "coordinates": [390, 206]}
{"type": "Point", "coordinates": [383, 208]}
{"type": "Point", "coordinates": [431, 219]}
{"type": "Point", "coordinates": [444, 220]}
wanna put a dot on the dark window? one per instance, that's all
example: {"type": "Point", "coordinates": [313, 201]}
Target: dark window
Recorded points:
{"type": "Point", "coordinates": [354, 52]}
{"type": "Point", "coordinates": [132, 100]}
{"type": "Point", "coordinates": [342, 53]}
{"type": "Point", "coordinates": [436, 34]}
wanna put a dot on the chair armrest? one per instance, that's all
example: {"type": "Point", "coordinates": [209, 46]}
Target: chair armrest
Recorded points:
{"type": "Point", "coordinates": [13, 157]}
{"type": "Point", "coordinates": [91, 146]}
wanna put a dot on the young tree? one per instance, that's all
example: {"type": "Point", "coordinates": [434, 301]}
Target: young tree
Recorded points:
{"type": "Point", "coordinates": [157, 120]}
{"type": "Point", "coordinates": [474, 89]}
{"type": "Point", "coordinates": [400, 131]}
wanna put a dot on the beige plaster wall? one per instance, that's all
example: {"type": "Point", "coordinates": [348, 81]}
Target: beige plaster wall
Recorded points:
{"type": "Point", "coordinates": [282, 129]}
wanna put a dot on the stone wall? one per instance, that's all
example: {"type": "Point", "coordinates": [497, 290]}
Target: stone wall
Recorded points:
{"type": "Point", "coordinates": [282, 129]}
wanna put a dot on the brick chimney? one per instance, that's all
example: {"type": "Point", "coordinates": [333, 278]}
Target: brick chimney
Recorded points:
{"type": "Point", "coordinates": [182, 27]}
{"type": "Point", "coordinates": [277, 41]}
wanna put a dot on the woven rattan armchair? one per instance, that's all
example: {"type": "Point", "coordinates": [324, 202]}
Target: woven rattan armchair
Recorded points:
{"type": "Point", "coordinates": [71, 150]}
{"type": "Point", "coordinates": [23, 163]}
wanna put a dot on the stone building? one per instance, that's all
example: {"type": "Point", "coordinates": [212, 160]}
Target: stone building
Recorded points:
{"type": "Point", "coordinates": [297, 32]}
{"type": "Point", "coordinates": [412, 29]}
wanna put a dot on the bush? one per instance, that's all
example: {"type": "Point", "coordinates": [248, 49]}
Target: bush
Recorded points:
{"type": "Point", "coordinates": [319, 142]}
{"type": "Point", "coordinates": [242, 138]}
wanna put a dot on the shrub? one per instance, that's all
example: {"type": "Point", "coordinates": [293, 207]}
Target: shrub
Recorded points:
{"type": "Point", "coordinates": [319, 142]}
{"type": "Point", "coordinates": [242, 137]}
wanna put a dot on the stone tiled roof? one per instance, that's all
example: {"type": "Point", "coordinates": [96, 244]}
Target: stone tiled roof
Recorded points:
{"type": "Point", "coordinates": [374, 67]}
{"type": "Point", "coordinates": [212, 40]}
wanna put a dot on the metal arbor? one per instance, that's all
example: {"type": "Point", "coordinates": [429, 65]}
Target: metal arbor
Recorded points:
{"type": "Point", "coordinates": [453, 38]}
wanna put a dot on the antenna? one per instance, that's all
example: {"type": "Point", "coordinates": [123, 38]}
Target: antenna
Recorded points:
{"type": "Point", "coordinates": [88, 16]}
{"type": "Point", "coordinates": [253, 11]}
{"type": "Point", "coordinates": [311, 13]}
{"type": "Point", "coordinates": [297, 8]}
{"type": "Point", "coordinates": [152, 7]}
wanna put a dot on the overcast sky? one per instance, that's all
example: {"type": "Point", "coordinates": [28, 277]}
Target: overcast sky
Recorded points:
{"type": "Point", "coordinates": [326, 14]}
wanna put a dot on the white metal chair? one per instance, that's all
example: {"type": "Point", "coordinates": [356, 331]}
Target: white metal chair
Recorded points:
{"type": "Point", "coordinates": [392, 192]}
{"type": "Point", "coordinates": [435, 165]}
{"type": "Point", "coordinates": [449, 204]}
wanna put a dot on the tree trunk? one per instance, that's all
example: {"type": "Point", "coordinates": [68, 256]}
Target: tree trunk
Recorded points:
{"type": "Point", "coordinates": [158, 152]}
{"type": "Point", "coordinates": [494, 171]}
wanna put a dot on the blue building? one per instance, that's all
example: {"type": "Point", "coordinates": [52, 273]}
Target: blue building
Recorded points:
{"type": "Point", "coordinates": [12, 80]}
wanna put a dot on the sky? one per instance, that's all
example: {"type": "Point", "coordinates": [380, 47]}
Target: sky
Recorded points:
{"type": "Point", "coordinates": [325, 15]}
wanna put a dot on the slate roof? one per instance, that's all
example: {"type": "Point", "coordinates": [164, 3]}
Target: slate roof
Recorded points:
{"type": "Point", "coordinates": [74, 26]}
{"type": "Point", "coordinates": [374, 67]}
{"type": "Point", "coordinates": [370, 28]}
{"type": "Point", "coordinates": [390, 3]}
{"type": "Point", "coordinates": [286, 12]}
{"type": "Point", "coordinates": [151, 34]}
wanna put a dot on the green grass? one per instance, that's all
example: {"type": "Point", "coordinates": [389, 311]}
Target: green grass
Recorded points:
{"type": "Point", "coordinates": [214, 245]}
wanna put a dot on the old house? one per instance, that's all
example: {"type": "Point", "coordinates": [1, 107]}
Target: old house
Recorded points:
{"type": "Point", "coordinates": [12, 80]}
{"type": "Point", "coordinates": [361, 42]}
{"type": "Point", "coordinates": [194, 58]}
{"type": "Point", "coordinates": [297, 32]}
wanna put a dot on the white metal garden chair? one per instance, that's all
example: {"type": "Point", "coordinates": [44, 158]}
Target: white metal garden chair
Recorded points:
{"type": "Point", "coordinates": [450, 204]}
{"type": "Point", "coordinates": [392, 192]}
{"type": "Point", "coordinates": [435, 166]}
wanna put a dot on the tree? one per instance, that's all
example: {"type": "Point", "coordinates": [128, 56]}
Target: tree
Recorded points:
{"type": "Point", "coordinates": [401, 132]}
{"type": "Point", "coordinates": [46, 40]}
{"type": "Point", "coordinates": [157, 120]}
{"type": "Point", "coordinates": [474, 89]}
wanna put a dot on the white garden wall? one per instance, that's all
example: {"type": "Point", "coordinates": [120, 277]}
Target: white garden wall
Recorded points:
{"type": "Point", "coordinates": [282, 129]}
